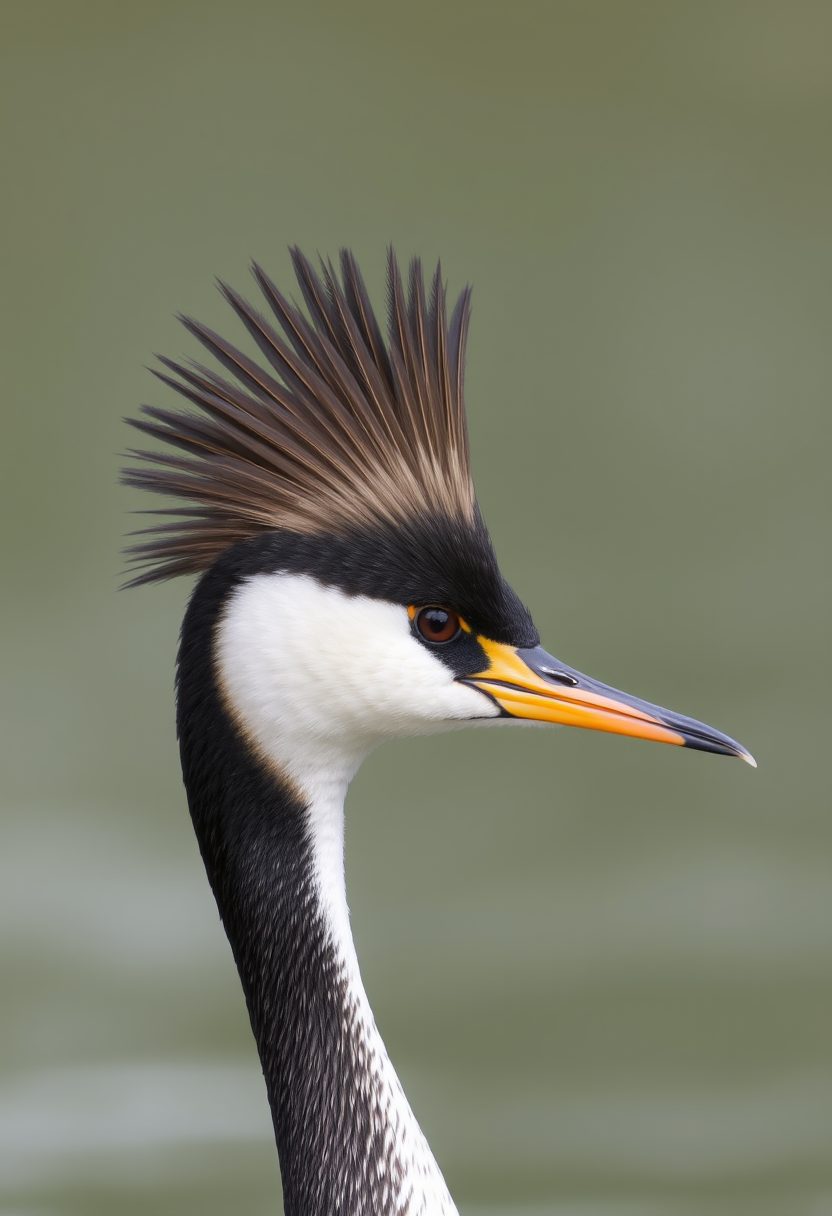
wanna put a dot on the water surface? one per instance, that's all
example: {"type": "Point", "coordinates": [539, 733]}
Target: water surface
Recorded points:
{"type": "Point", "coordinates": [602, 967]}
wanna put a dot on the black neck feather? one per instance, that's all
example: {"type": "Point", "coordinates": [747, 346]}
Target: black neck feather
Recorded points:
{"type": "Point", "coordinates": [253, 835]}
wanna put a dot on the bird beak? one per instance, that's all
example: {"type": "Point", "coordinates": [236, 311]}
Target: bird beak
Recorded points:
{"type": "Point", "coordinates": [530, 684]}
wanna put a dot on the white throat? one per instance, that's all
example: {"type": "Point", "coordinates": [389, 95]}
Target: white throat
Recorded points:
{"type": "Point", "coordinates": [416, 1182]}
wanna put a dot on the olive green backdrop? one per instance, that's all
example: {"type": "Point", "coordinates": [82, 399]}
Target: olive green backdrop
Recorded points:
{"type": "Point", "coordinates": [602, 966]}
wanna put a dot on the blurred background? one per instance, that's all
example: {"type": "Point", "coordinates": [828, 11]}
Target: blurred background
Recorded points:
{"type": "Point", "coordinates": [602, 967]}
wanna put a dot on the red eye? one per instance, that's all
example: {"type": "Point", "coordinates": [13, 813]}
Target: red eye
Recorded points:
{"type": "Point", "coordinates": [437, 624]}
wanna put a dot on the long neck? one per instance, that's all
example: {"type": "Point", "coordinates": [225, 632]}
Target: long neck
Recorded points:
{"type": "Point", "coordinates": [347, 1139]}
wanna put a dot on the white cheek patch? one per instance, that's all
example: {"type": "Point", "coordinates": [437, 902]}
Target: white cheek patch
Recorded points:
{"type": "Point", "coordinates": [318, 678]}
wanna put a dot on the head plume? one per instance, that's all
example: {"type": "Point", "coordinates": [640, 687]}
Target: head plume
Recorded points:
{"type": "Point", "coordinates": [343, 431]}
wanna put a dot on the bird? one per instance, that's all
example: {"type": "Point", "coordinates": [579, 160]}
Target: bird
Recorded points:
{"type": "Point", "coordinates": [347, 593]}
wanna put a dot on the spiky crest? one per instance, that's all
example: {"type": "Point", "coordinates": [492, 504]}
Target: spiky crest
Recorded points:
{"type": "Point", "coordinates": [343, 433]}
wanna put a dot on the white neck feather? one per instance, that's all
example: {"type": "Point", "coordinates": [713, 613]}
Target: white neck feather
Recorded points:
{"type": "Point", "coordinates": [418, 1180]}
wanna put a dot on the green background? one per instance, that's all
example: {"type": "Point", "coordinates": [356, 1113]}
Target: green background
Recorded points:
{"type": "Point", "coordinates": [601, 966]}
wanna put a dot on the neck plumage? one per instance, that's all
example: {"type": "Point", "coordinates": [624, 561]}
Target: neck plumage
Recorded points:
{"type": "Point", "coordinates": [347, 1139]}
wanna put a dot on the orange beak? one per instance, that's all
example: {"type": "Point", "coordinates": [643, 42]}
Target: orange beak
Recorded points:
{"type": "Point", "coordinates": [530, 684]}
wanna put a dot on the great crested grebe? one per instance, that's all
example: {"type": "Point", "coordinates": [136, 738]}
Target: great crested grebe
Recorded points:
{"type": "Point", "coordinates": [349, 594]}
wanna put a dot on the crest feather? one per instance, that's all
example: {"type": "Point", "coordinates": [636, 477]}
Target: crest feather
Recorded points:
{"type": "Point", "coordinates": [341, 431]}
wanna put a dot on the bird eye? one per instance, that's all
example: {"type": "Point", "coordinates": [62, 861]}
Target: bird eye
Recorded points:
{"type": "Point", "coordinates": [437, 624]}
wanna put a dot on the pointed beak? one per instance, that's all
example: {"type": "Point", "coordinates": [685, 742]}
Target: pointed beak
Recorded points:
{"type": "Point", "coordinates": [530, 684]}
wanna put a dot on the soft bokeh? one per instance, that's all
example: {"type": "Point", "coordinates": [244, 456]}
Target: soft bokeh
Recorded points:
{"type": "Point", "coordinates": [604, 968]}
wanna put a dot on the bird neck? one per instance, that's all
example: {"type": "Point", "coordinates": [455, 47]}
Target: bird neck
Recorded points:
{"type": "Point", "coordinates": [347, 1140]}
